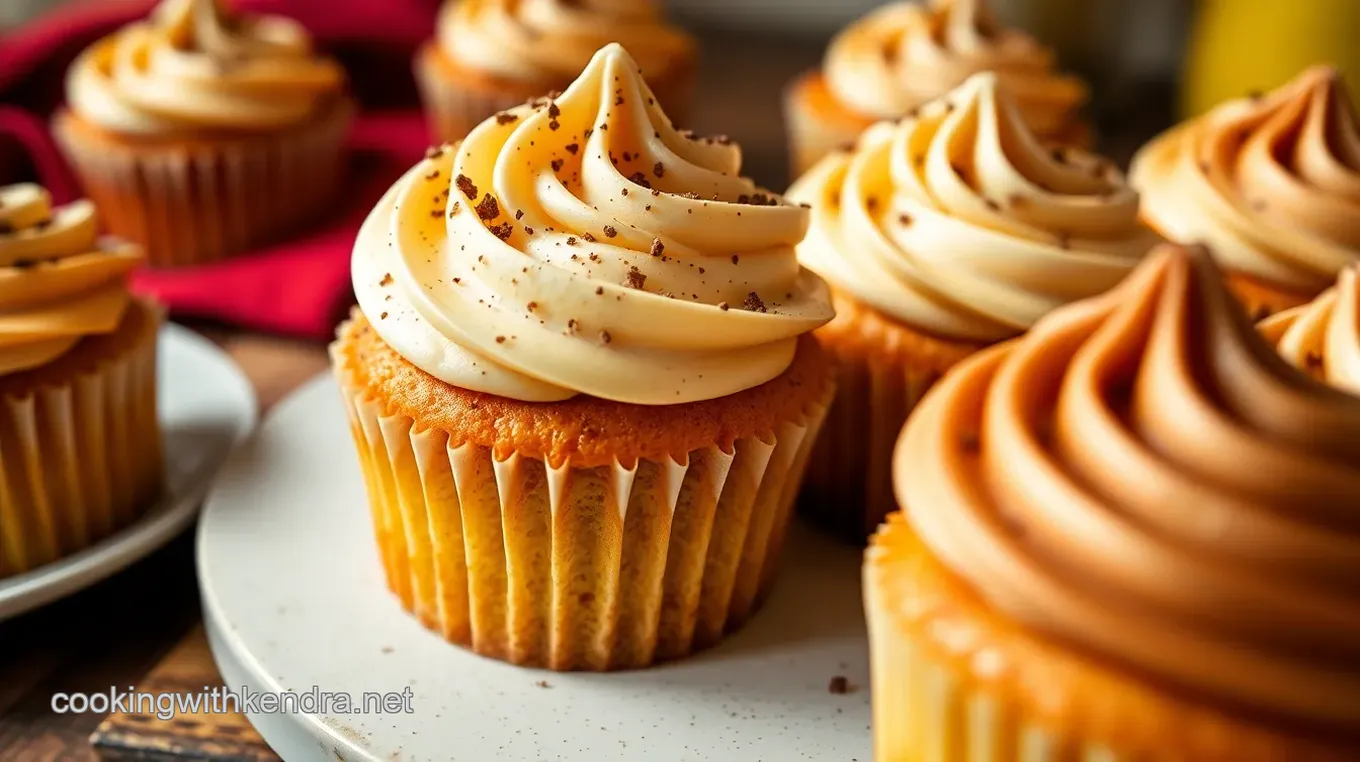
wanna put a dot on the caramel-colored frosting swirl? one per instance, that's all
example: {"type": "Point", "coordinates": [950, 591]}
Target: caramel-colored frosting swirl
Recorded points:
{"type": "Point", "coordinates": [553, 40]}
{"type": "Point", "coordinates": [59, 281]}
{"type": "Point", "coordinates": [192, 66]}
{"type": "Point", "coordinates": [907, 53]}
{"type": "Point", "coordinates": [1271, 183]}
{"type": "Point", "coordinates": [1142, 478]}
{"type": "Point", "coordinates": [584, 246]}
{"type": "Point", "coordinates": [1322, 338]}
{"type": "Point", "coordinates": [957, 221]}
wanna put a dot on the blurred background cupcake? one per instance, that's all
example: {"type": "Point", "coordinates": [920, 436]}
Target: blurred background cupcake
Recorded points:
{"type": "Point", "coordinates": [201, 133]}
{"type": "Point", "coordinates": [80, 445]}
{"type": "Point", "coordinates": [491, 55]}
{"type": "Point", "coordinates": [1322, 338]}
{"type": "Point", "coordinates": [940, 234]}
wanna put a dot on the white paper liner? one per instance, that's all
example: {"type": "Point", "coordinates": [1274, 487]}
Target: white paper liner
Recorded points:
{"type": "Point", "coordinates": [576, 568]}
{"type": "Point", "coordinates": [200, 201]}
{"type": "Point", "coordinates": [79, 460]}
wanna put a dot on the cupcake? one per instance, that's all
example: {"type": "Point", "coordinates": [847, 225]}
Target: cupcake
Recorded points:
{"type": "Point", "coordinates": [491, 55]}
{"type": "Point", "coordinates": [1322, 338]}
{"type": "Point", "coordinates": [80, 446]}
{"type": "Point", "coordinates": [1271, 183]}
{"type": "Point", "coordinates": [201, 133]}
{"type": "Point", "coordinates": [581, 381]}
{"type": "Point", "coordinates": [943, 233]}
{"type": "Point", "coordinates": [906, 54]}
{"type": "Point", "coordinates": [1128, 535]}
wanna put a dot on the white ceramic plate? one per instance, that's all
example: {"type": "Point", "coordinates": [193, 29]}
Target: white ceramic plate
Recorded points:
{"type": "Point", "coordinates": [294, 599]}
{"type": "Point", "coordinates": [206, 407]}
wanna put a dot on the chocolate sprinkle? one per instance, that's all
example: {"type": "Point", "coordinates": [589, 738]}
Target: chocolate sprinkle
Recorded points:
{"type": "Point", "coordinates": [465, 185]}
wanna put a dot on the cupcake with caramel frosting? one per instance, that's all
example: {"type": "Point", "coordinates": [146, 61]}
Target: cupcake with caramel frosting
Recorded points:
{"type": "Point", "coordinates": [581, 380]}
{"type": "Point", "coordinates": [201, 133]}
{"type": "Point", "coordinates": [1270, 182]}
{"type": "Point", "coordinates": [1322, 338]}
{"type": "Point", "coordinates": [1130, 534]}
{"type": "Point", "coordinates": [940, 234]}
{"type": "Point", "coordinates": [905, 55]}
{"type": "Point", "coordinates": [80, 445]}
{"type": "Point", "coordinates": [491, 55]}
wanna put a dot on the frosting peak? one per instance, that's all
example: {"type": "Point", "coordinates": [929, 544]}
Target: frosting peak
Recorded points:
{"type": "Point", "coordinates": [583, 245]}
{"type": "Point", "coordinates": [958, 221]}
{"type": "Point", "coordinates": [907, 53]}
{"type": "Point", "coordinates": [1270, 182]}
{"type": "Point", "coordinates": [58, 280]}
{"type": "Point", "coordinates": [1323, 338]}
{"type": "Point", "coordinates": [192, 65]}
{"type": "Point", "coordinates": [1140, 476]}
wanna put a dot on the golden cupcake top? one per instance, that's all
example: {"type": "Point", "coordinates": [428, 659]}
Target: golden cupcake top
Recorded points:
{"type": "Point", "coordinates": [1143, 479]}
{"type": "Point", "coordinates": [59, 281]}
{"type": "Point", "coordinates": [958, 221]}
{"type": "Point", "coordinates": [1271, 182]}
{"type": "Point", "coordinates": [1323, 338]}
{"type": "Point", "coordinates": [908, 53]}
{"type": "Point", "coordinates": [553, 40]}
{"type": "Point", "coordinates": [583, 245]}
{"type": "Point", "coordinates": [194, 65]}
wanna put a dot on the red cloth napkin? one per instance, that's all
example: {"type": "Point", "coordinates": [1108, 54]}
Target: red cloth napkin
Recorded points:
{"type": "Point", "coordinates": [299, 287]}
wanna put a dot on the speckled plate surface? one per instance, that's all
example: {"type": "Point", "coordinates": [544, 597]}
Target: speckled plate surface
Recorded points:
{"type": "Point", "coordinates": [294, 600]}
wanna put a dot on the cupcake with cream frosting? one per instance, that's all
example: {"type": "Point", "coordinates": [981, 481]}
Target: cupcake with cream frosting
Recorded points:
{"type": "Point", "coordinates": [581, 381]}
{"type": "Point", "coordinates": [1322, 338]}
{"type": "Point", "coordinates": [1130, 534]}
{"type": "Point", "coordinates": [906, 54]}
{"type": "Point", "coordinates": [1270, 182]}
{"type": "Point", "coordinates": [201, 133]}
{"type": "Point", "coordinates": [80, 445]}
{"type": "Point", "coordinates": [491, 55]}
{"type": "Point", "coordinates": [940, 234]}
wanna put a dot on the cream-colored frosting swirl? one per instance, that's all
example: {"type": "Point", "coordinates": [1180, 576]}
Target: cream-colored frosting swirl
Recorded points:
{"type": "Point", "coordinates": [59, 281]}
{"type": "Point", "coordinates": [586, 246]}
{"type": "Point", "coordinates": [192, 66]}
{"type": "Point", "coordinates": [1322, 338]}
{"type": "Point", "coordinates": [957, 221]}
{"type": "Point", "coordinates": [1142, 478]}
{"type": "Point", "coordinates": [553, 40]}
{"type": "Point", "coordinates": [1271, 183]}
{"type": "Point", "coordinates": [907, 53]}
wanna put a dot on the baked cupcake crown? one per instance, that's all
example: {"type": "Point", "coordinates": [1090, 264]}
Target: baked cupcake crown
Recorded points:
{"type": "Point", "coordinates": [959, 221]}
{"type": "Point", "coordinates": [1142, 478]}
{"type": "Point", "coordinates": [1270, 181]}
{"type": "Point", "coordinates": [582, 244]}
{"type": "Point", "coordinates": [192, 65]}
{"type": "Point", "coordinates": [1322, 338]}
{"type": "Point", "coordinates": [59, 281]}
{"type": "Point", "coordinates": [907, 53]}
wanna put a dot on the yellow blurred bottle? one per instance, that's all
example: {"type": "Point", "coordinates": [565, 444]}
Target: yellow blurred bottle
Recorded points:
{"type": "Point", "coordinates": [1237, 46]}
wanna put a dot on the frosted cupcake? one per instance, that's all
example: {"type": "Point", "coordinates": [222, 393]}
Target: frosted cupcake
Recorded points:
{"type": "Point", "coordinates": [939, 235]}
{"type": "Point", "coordinates": [492, 55]}
{"type": "Point", "coordinates": [1130, 534]}
{"type": "Point", "coordinates": [1271, 183]}
{"type": "Point", "coordinates": [200, 133]}
{"type": "Point", "coordinates": [80, 446]}
{"type": "Point", "coordinates": [1322, 338]}
{"type": "Point", "coordinates": [907, 54]}
{"type": "Point", "coordinates": [582, 382]}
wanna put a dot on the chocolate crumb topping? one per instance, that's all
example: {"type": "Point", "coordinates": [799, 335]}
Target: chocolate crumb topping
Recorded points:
{"type": "Point", "coordinates": [904, 218]}
{"type": "Point", "coordinates": [553, 110]}
{"type": "Point", "coordinates": [640, 179]}
{"type": "Point", "coordinates": [659, 169]}
{"type": "Point", "coordinates": [528, 230]}
{"type": "Point", "coordinates": [502, 231]}
{"type": "Point", "coordinates": [588, 238]}
{"type": "Point", "coordinates": [554, 125]}
{"type": "Point", "coordinates": [455, 209]}
{"type": "Point", "coordinates": [572, 325]}
{"type": "Point", "coordinates": [557, 165]}
{"type": "Point", "coordinates": [500, 339]}
{"type": "Point", "coordinates": [656, 192]}
{"type": "Point", "coordinates": [519, 214]}
{"type": "Point", "coordinates": [839, 685]}
{"type": "Point", "coordinates": [735, 259]}
{"type": "Point", "coordinates": [531, 306]}
{"type": "Point", "coordinates": [605, 337]}
{"type": "Point", "coordinates": [383, 316]}
{"type": "Point", "coordinates": [386, 280]}
{"type": "Point", "coordinates": [505, 117]}
{"type": "Point", "coordinates": [488, 209]}
{"type": "Point", "coordinates": [624, 191]}
{"type": "Point", "coordinates": [753, 303]}
{"type": "Point", "coordinates": [571, 240]}
{"type": "Point", "coordinates": [433, 174]}
{"type": "Point", "coordinates": [657, 247]}
{"type": "Point", "coordinates": [572, 148]}
{"type": "Point", "coordinates": [636, 279]}
{"type": "Point", "coordinates": [465, 185]}
{"type": "Point", "coordinates": [723, 306]}
{"type": "Point", "coordinates": [609, 231]}
{"type": "Point", "coordinates": [599, 290]}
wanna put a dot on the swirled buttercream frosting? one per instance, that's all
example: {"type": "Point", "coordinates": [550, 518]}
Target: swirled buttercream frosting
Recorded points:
{"type": "Point", "coordinates": [553, 40]}
{"type": "Point", "coordinates": [1322, 338]}
{"type": "Point", "coordinates": [958, 222]}
{"type": "Point", "coordinates": [584, 246]}
{"type": "Point", "coordinates": [908, 53]}
{"type": "Point", "coordinates": [1270, 182]}
{"type": "Point", "coordinates": [193, 66]}
{"type": "Point", "coordinates": [59, 281]}
{"type": "Point", "coordinates": [1142, 478]}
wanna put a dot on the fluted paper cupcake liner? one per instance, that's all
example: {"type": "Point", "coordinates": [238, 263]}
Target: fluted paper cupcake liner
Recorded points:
{"type": "Point", "coordinates": [81, 457]}
{"type": "Point", "coordinates": [202, 199]}
{"type": "Point", "coordinates": [575, 568]}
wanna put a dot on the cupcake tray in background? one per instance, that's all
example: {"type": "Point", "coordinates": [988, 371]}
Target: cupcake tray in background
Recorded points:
{"type": "Point", "coordinates": [206, 406]}
{"type": "Point", "coordinates": [294, 599]}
